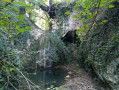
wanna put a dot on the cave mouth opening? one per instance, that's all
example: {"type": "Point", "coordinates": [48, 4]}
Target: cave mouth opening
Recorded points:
{"type": "Point", "coordinates": [71, 37]}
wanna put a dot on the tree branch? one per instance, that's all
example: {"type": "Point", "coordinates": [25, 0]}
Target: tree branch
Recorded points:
{"type": "Point", "coordinates": [95, 16]}
{"type": "Point", "coordinates": [44, 8]}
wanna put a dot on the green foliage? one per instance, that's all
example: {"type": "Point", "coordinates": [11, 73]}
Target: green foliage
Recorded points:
{"type": "Point", "coordinates": [12, 23]}
{"type": "Point", "coordinates": [74, 16]}
{"type": "Point", "coordinates": [104, 21]}
{"type": "Point", "coordinates": [61, 50]}
{"type": "Point", "coordinates": [111, 6]}
{"type": "Point", "coordinates": [89, 12]}
{"type": "Point", "coordinates": [67, 13]}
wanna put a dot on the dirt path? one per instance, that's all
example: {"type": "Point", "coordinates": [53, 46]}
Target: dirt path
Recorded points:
{"type": "Point", "coordinates": [79, 79]}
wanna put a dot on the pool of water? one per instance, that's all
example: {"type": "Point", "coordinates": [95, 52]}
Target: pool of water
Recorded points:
{"type": "Point", "coordinates": [47, 77]}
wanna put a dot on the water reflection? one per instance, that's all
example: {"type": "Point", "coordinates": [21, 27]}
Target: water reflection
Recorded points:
{"type": "Point", "coordinates": [47, 77]}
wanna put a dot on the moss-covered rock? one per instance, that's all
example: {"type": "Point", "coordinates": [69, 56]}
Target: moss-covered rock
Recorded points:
{"type": "Point", "coordinates": [101, 49]}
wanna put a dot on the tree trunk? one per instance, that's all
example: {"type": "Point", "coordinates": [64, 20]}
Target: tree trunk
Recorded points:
{"type": "Point", "coordinates": [50, 4]}
{"type": "Point", "coordinates": [49, 9]}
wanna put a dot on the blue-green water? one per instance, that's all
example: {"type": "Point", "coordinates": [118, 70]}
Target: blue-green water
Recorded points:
{"type": "Point", "coordinates": [47, 77]}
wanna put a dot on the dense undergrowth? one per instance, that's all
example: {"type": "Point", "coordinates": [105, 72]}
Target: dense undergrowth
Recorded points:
{"type": "Point", "coordinates": [12, 27]}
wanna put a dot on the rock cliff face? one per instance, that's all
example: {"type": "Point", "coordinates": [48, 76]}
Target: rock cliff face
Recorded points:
{"type": "Point", "coordinates": [101, 49]}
